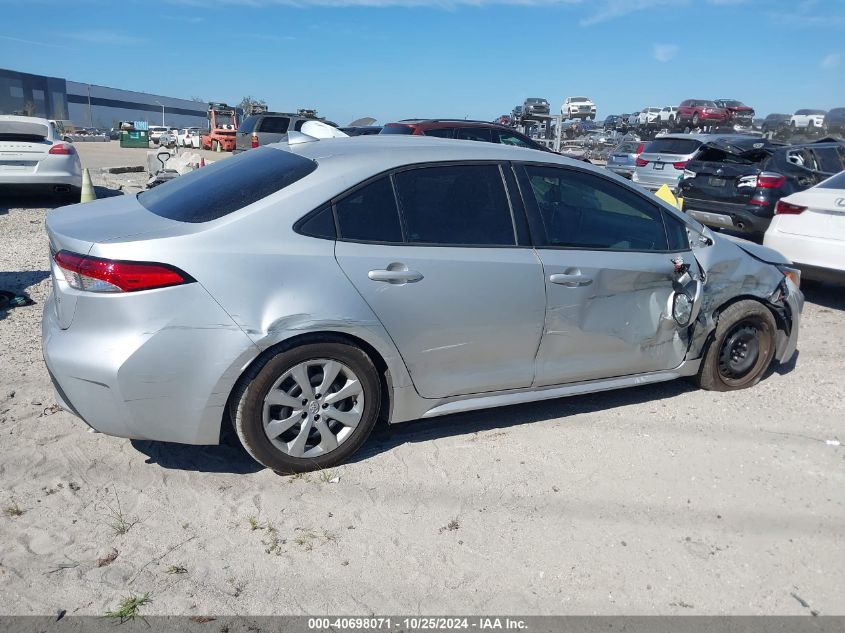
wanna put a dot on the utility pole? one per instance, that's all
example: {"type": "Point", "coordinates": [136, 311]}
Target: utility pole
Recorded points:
{"type": "Point", "coordinates": [162, 112]}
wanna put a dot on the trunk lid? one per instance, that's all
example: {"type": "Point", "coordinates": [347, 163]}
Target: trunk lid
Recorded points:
{"type": "Point", "coordinates": [822, 218]}
{"type": "Point", "coordinates": [22, 145]}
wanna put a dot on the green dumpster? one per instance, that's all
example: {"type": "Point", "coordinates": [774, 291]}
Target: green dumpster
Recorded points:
{"type": "Point", "coordinates": [135, 138]}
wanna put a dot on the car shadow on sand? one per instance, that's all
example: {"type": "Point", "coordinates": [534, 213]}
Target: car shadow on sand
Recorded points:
{"type": "Point", "coordinates": [825, 295]}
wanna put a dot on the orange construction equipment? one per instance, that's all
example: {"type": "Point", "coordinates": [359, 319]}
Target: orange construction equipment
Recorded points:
{"type": "Point", "coordinates": [222, 125]}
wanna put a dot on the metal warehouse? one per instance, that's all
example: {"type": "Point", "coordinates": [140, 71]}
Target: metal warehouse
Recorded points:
{"type": "Point", "coordinates": [89, 105]}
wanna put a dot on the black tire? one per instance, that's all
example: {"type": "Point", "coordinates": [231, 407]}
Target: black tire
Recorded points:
{"type": "Point", "coordinates": [249, 403]}
{"type": "Point", "coordinates": [742, 349]}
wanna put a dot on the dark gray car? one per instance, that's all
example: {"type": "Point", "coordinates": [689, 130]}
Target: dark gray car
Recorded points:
{"type": "Point", "coordinates": [269, 127]}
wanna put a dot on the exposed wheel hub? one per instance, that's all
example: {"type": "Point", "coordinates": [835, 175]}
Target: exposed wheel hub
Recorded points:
{"type": "Point", "coordinates": [740, 352]}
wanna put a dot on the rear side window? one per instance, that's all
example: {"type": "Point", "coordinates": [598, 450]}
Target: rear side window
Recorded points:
{"type": "Point", "coordinates": [456, 204]}
{"type": "Point", "coordinates": [672, 146]}
{"type": "Point", "coordinates": [581, 210]}
{"type": "Point", "coordinates": [369, 214]}
{"type": "Point", "coordinates": [475, 134]}
{"type": "Point", "coordinates": [248, 125]}
{"type": "Point", "coordinates": [274, 124]}
{"type": "Point", "coordinates": [829, 159]}
{"type": "Point", "coordinates": [227, 185]}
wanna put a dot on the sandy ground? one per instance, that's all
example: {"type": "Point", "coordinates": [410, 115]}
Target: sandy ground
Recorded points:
{"type": "Point", "coordinates": [656, 500]}
{"type": "Point", "coordinates": [111, 154]}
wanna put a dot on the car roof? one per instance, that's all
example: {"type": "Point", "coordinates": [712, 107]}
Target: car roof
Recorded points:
{"type": "Point", "coordinates": [382, 152]}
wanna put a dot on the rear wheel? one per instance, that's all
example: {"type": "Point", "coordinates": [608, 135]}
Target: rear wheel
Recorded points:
{"type": "Point", "coordinates": [309, 407]}
{"type": "Point", "coordinates": [742, 350]}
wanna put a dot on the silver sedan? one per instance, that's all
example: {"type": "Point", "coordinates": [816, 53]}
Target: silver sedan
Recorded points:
{"type": "Point", "coordinates": [301, 291]}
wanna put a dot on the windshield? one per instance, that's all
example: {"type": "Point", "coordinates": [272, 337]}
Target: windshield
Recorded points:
{"type": "Point", "coordinates": [732, 103]}
{"type": "Point", "coordinates": [579, 99]}
{"type": "Point", "coordinates": [226, 185]}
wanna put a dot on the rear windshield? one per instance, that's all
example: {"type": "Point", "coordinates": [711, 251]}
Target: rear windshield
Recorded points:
{"type": "Point", "coordinates": [397, 129]}
{"type": "Point", "coordinates": [716, 155]}
{"type": "Point", "coordinates": [835, 182]}
{"type": "Point", "coordinates": [227, 185]}
{"type": "Point", "coordinates": [672, 146]}
{"type": "Point", "coordinates": [23, 131]}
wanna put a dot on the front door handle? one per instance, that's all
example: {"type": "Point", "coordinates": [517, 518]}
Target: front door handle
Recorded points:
{"type": "Point", "coordinates": [571, 281]}
{"type": "Point", "coordinates": [395, 275]}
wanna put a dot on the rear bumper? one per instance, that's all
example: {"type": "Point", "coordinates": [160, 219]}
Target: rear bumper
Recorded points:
{"type": "Point", "coordinates": [622, 170]}
{"type": "Point", "coordinates": [165, 381]}
{"type": "Point", "coordinates": [735, 217]}
{"type": "Point", "coordinates": [44, 178]}
{"type": "Point", "coordinates": [653, 182]}
{"type": "Point", "coordinates": [818, 258]}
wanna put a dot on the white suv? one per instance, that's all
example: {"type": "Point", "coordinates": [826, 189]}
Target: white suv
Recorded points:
{"type": "Point", "coordinates": [578, 108]}
{"type": "Point", "coordinates": [668, 115]}
{"type": "Point", "coordinates": [648, 116]}
{"type": "Point", "coordinates": [156, 131]}
{"type": "Point", "coordinates": [807, 118]}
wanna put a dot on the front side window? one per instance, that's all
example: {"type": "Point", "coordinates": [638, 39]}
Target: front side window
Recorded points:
{"type": "Point", "coordinates": [509, 138]}
{"type": "Point", "coordinates": [369, 214]}
{"type": "Point", "coordinates": [475, 134]}
{"type": "Point", "coordinates": [455, 204]}
{"type": "Point", "coordinates": [443, 132]}
{"type": "Point", "coordinates": [581, 210]}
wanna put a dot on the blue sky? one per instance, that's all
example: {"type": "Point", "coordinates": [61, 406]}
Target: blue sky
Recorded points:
{"type": "Point", "coordinates": [394, 59]}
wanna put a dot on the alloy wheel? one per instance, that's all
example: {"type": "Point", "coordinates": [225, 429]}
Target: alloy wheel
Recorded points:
{"type": "Point", "coordinates": [313, 408]}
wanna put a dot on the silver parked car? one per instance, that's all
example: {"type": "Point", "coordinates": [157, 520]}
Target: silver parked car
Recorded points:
{"type": "Point", "coordinates": [622, 159]}
{"type": "Point", "coordinates": [663, 160]}
{"type": "Point", "coordinates": [300, 292]}
{"type": "Point", "coordinates": [32, 153]}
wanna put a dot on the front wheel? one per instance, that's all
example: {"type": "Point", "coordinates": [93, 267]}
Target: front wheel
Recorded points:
{"type": "Point", "coordinates": [309, 407]}
{"type": "Point", "coordinates": [742, 349]}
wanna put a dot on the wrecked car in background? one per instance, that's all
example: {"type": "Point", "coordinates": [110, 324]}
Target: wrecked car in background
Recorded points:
{"type": "Point", "coordinates": [734, 182]}
{"type": "Point", "coordinates": [299, 292]}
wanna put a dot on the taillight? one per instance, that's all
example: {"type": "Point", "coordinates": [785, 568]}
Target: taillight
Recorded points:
{"type": "Point", "coordinates": [680, 165]}
{"type": "Point", "coordinates": [640, 149]}
{"type": "Point", "coordinates": [769, 180]}
{"type": "Point", "coordinates": [641, 162]}
{"type": "Point", "coordinates": [61, 149]}
{"type": "Point", "coordinates": [784, 208]}
{"type": "Point", "coordinates": [94, 274]}
{"type": "Point", "coordinates": [254, 140]}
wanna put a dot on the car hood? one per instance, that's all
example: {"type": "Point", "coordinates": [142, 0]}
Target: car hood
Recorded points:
{"type": "Point", "coordinates": [763, 253]}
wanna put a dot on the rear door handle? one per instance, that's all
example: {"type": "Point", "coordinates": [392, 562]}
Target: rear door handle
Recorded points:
{"type": "Point", "coordinates": [398, 276]}
{"type": "Point", "coordinates": [571, 281]}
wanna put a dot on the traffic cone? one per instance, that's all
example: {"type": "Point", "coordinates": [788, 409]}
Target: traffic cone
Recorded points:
{"type": "Point", "coordinates": [88, 193]}
{"type": "Point", "coordinates": [219, 147]}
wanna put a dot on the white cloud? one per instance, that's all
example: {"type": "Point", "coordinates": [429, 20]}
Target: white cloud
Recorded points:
{"type": "Point", "coordinates": [831, 61]}
{"type": "Point", "coordinates": [664, 52]}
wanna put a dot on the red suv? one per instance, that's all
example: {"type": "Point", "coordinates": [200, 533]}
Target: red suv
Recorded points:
{"type": "Point", "coordinates": [462, 129]}
{"type": "Point", "coordinates": [701, 111]}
